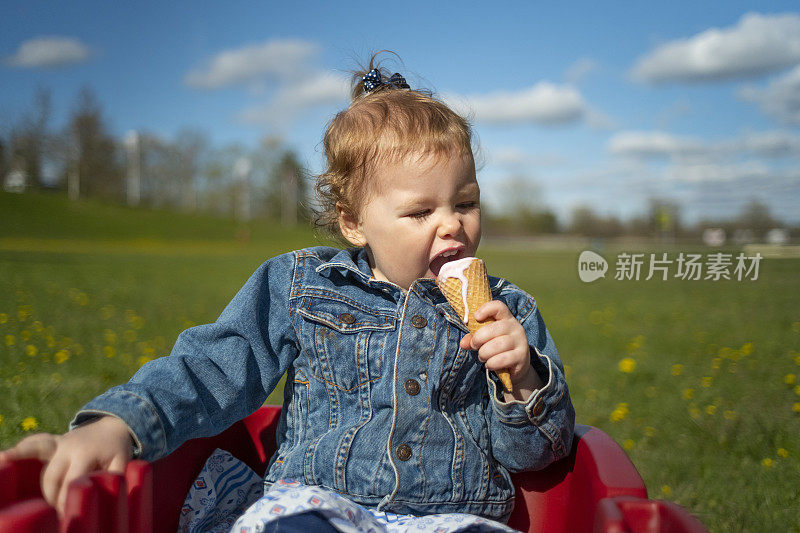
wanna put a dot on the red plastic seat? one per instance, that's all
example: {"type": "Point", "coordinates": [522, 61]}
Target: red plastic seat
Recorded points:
{"type": "Point", "coordinates": [595, 488]}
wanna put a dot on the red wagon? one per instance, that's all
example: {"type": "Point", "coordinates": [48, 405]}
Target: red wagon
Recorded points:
{"type": "Point", "coordinates": [595, 488]}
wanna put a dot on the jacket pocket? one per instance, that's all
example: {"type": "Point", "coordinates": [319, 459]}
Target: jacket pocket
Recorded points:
{"type": "Point", "coordinates": [343, 341]}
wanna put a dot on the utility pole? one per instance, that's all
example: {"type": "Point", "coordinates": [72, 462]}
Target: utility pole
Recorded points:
{"type": "Point", "coordinates": [241, 173]}
{"type": "Point", "coordinates": [74, 173]}
{"type": "Point", "coordinates": [133, 192]}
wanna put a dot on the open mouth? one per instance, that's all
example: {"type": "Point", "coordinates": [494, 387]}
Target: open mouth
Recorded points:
{"type": "Point", "coordinates": [446, 256]}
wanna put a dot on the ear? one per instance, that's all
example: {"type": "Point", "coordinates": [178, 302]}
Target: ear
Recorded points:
{"type": "Point", "coordinates": [350, 227]}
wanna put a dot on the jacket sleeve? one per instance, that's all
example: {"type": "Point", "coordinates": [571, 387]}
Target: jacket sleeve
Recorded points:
{"type": "Point", "coordinates": [216, 374]}
{"type": "Point", "coordinates": [531, 434]}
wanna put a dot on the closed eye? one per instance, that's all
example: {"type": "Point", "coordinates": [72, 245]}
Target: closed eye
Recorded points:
{"type": "Point", "coordinates": [420, 214]}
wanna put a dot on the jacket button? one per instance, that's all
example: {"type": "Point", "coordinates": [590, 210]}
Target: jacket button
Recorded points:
{"type": "Point", "coordinates": [538, 407]}
{"type": "Point", "coordinates": [418, 321]}
{"type": "Point", "coordinates": [412, 387]}
{"type": "Point", "coordinates": [404, 452]}
{"type": "Point", "coordinates": [347, 318]}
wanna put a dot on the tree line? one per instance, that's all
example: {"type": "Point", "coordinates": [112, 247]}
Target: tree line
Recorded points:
{"type": "Point", "coordinates": [185, 173]}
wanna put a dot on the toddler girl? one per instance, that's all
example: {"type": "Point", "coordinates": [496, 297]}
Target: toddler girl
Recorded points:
{"type": "Point", "coordinates": [387, 402]}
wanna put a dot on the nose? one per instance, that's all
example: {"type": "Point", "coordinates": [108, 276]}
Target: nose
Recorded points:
{"type": "Point", "coordinates": [449, 226]}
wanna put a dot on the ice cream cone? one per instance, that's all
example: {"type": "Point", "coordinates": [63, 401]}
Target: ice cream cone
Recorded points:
{"type": "Point", "coordinates": [466, 287]}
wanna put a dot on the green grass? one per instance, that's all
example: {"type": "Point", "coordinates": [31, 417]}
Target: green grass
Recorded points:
{"type": "Point", "coordinates": [707, 414]}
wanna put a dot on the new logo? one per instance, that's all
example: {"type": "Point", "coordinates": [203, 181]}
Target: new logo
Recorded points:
{"type": "Point", "coordinates": [591, 266]}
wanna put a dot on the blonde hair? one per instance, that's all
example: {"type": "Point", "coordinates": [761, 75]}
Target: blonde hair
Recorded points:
{"type": "Point", "coordinates": [383, 126]}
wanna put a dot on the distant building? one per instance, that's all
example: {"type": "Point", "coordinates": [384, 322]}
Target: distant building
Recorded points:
{"type": "Point", "coordinates": [15, 181]}
{"type": "Point", "coordinates": [714, 236]}
{"type": "Point", "coordinates": [778, 236]}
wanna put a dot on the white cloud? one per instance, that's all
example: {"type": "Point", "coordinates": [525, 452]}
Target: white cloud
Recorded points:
{"type": "Point", "coordinates": [772, 144]}
{"type": "Point", "coordinates": [648, 144]}
{"type": "Point", "coordinates": [49, 52]}
{"type": "Point", "coordinates": [756, 45]}
{"type": "Point", "coordinates": [321, 88]}
{"type": "Point", "coordinates": [271, 60]}
{"type": "Point", "coordinates": [658, 144]}
{"type": "Point", "coordinates": [544, 103]}
{"type": "Point", "coordinates": [515, 157]}
{"type": "Point", "coordinates": [580, 69]}
{"type": "Point", "coordinates": [718, 172]}
{"type": "Point", "coordinates": [780, 99]}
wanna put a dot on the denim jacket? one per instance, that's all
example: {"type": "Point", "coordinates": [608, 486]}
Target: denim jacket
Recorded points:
{"type": "Point", "coordinates": [380, 403]}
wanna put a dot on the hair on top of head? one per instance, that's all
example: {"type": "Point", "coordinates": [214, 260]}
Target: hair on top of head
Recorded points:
{"type": "Point", "coordinates": [385, 125]}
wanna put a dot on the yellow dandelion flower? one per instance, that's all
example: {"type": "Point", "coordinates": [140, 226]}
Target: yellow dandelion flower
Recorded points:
{"type": "Point", "coordinates": [796, 327]}
{"type": "Point", "coordinates": [3, 318]}
{"type": "Point", "coordinates": [25, 335]}
{"type": "Point", "coordinates": [716, 363]}
{"type": "Point", "coordinates": [107, 312]}
{"type": "Point", "coordinates": [29, 424]}
{"type": "Point", "coordinates": [627, 365]}
{"type": "Point", "coordinates": [688, 394]}
{"type": "Point", "coordinates": [783, 452]}
{"type": "Point", "coordinates": [109, 351]}
{"type": "Point", "coordinates": [10, 340]}
{"type": "Point", "coordinates": [31, 350]}
{"type": "Point", "coordinates": [729, 414]}
{"type": "Point", "coordinates": [747, 348]}
{"type": "Point", "coordinates": [628, 444]}
{"type": "Point", "coordinates": [138, 322]}
{"type": "Point", "coordinates": [732, 368]}
{"type": "Point", "coordinates": [50, 340]}
{"type": "Point", "coordinates": [797, 390]}
{"type": "Point", "coordinates": [797, 359]}
{"type": "Point", "coordinates": [37, 326]}
{"type": "Point", "coordinates": [650, 431]}
{"type": "Point", "coordinates": [676, 370]}
{"type": "Point", "coordinates": [143, 360]}
{"type": "Point", "coordinates": [694, 412]}
{"type": "Point", "coordinates": [789, 379]}
{"type": "Point", "coordinates": [767, 462]}
{"type": "Point", "coordinates": [706, 381]}
{"type": "Point", "coordinates": [109, 336]}
{"type": "Point", "coordinates": [61, 356]}
{"type": "Point", "coordinates": [1, 420]}
{"type": "Point", "coordinates": [711, 409]}
{"type": "Point", "coordinates": [24, 312]}
{"type": "Point", "coordinates": [620, 412]}
{"type": "Point", "coordinates": [16, 380]}
{"type": "Point", "coordinates": [82, 299]}
{"type": "Point", "coordinates": [666, 490]}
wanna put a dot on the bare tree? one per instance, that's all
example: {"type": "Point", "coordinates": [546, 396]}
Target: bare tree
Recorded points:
{"type": "Point", "coordinates": [30, 139]}
{"type": "Point", "coordinates": [95, 158]}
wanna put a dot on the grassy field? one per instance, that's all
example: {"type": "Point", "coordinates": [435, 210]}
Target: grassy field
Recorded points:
{"type": "Point", "coordinates": [697, 380]}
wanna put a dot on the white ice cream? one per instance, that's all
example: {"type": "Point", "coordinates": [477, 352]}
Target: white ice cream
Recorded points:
{"type": "Point", "coordinates": [455, 269]}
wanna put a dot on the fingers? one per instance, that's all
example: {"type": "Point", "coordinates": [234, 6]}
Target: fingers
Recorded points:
{"type": "Point", "coordinates": [41, 446]}
{"type": "Point", "coordinates": [118, 464]}
{"type": "Point", "coordinates": [493, 309]}
{"type": "Point", "coordinates": [76, 469]}
{"type": "Point", "coordinates": [52, 478]}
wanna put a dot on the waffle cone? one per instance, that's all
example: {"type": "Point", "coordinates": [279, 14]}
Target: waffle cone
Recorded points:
{"type": "Point", "coordinates": [478, 293]}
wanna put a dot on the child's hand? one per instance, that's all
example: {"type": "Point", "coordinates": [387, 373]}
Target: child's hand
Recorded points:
{"type": "Point", "coordinates": [104, 444]}
{"type": "Point", "coordinates": [504, 345]}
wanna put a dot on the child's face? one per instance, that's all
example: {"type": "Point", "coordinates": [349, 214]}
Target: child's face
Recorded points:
{"type": "Point", "coordinates": [420, 215]}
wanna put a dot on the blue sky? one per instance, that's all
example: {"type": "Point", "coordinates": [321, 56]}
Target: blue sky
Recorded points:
{"type": "Point", "coordinates": [606, 105]}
